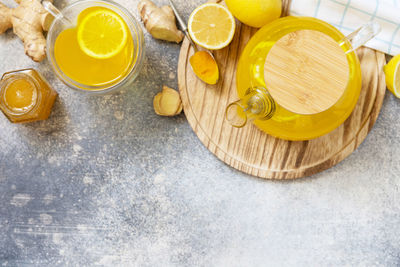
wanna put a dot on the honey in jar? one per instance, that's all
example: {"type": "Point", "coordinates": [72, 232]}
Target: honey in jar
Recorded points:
{"type": "Point", "coordinates": [26, 96]}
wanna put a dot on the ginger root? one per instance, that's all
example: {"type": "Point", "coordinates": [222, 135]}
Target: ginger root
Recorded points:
{"type": "Point", "coordinates": [167, 102]}
{"type": "Point", "coordinates": [5, 18]}
{"type": "Point", "coordinates": [159, 22]}
{"type": "Point", "coordinates": [28, 20]}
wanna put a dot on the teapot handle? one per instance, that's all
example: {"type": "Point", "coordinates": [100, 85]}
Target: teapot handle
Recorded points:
{"type": "Point", "coordinates": [361, 36]}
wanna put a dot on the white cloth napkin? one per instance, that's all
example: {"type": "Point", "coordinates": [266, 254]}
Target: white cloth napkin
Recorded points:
{"type": "Point", "coordinates": [349, 15]}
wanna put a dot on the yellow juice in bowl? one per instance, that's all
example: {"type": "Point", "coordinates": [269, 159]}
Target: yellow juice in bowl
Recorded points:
{"type": "Point", "coordinates": [96, 46]}
{"type": "Point", "coordinates": [85, 69]}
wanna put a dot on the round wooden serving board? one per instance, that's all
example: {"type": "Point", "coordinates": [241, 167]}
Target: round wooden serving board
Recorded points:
{"type": "Point", "coordinates": [254, 152]}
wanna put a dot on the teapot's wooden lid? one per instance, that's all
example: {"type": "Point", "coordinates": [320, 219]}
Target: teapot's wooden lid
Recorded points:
{"type": "Point", "coordinates": [306, 72]}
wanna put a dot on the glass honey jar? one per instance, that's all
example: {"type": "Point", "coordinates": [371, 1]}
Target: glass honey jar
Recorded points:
{"type": "Point", "coordinates": [26, 96]}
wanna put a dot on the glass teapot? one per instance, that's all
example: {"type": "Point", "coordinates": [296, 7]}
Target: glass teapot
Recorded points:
{"type": "Point", "coordinates": [298, 78]}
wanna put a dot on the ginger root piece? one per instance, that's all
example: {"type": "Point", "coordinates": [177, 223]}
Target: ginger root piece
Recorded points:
{"type": "Point", "coordinates": [5, 18]}
{"type": "Point", "coordinates": [159, 22]}
{"type": "Point", "coordinates": [167, 102]}
{"type": "Point", "coordinates": [29, 19]}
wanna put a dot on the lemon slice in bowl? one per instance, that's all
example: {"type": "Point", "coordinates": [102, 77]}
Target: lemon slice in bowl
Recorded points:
{"type": "Point", "coordinates": [392, 74]}
{"type": "Point", "coordinates": [89, 10]}
{"type": "Point", "coordinates": [102, 34]}
{"type": "Point", "coordinates": [211, 26]}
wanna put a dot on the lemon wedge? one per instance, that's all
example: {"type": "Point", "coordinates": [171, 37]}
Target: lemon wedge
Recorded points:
{"type": "Point", "coordinates": [392, 74]}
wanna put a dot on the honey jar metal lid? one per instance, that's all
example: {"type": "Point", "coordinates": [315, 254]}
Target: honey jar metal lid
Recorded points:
{"type": "Point", "coordinates": [306, 72]}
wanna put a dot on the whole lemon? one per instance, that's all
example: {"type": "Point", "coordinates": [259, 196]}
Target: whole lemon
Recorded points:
{"type": "Point", "coordinates": [255, 13]}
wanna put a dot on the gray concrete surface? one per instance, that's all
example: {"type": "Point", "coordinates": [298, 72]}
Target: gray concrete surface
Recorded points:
{"type": "Point", "coordinates": [106, 182]}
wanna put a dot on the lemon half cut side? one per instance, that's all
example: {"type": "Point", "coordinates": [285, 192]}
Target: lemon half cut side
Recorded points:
{"type": "Point", "coordinates": [212, 26]}
{"type": "Point", "coordinates": [392, 75]}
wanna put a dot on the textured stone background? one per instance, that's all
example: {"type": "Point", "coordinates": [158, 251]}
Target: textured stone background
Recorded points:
{"type": "Point", "coordinates": [106, 182]}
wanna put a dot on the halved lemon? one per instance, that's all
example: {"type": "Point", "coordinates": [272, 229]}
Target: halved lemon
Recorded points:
{"type": "Point", "coordinates": [392, 74]}
{"type": "Point", "coordinates": [211, 26]}
{"type": "Point", "coordinates": [102, 34]}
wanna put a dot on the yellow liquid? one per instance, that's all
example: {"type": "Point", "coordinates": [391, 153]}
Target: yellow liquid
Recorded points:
{"type": "Point", "coordinates": [286, 124]}
{"type": "Point", "coordinates": [87, 70]}
{"type": "Point", "coordinates": [26, 96]}
{"type": "Point", "coordinates": [20, 95]}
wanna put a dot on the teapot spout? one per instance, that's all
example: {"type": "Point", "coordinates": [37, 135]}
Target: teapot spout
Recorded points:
{"type": "Point", "coordinates": [257, 104]}
{"type": "Point", "coordinates": [236, 114]}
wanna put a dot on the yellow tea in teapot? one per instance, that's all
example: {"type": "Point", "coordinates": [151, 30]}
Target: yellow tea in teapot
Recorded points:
{"type": "Point", "coordinates": [326, 100]}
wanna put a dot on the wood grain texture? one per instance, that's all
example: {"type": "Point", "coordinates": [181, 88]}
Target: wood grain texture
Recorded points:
{"type": "Point", "coordinates": [306, 72]}
{"type": "Point", "coordinates": [251, 150]}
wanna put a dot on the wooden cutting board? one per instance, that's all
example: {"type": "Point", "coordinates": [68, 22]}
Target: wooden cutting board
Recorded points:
{"type": "Point", "coordinates": [254, 152]}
